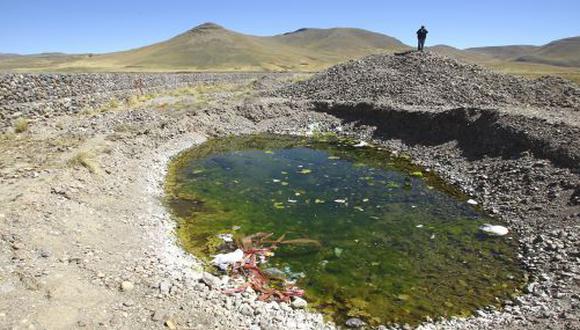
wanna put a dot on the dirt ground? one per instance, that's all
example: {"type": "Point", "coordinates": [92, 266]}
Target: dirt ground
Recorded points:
{"type": "Point", "coordinates": [85, 240]}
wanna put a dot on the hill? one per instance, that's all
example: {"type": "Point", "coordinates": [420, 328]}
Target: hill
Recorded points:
{"type": "Point", "coordinates": [558, 58]}
{"type": "Point", "coordinates": [504, 52]}
{"type": "Point", "coordinates": [210, 47]}
{"type": "Point", "coordinates": [563, 52]}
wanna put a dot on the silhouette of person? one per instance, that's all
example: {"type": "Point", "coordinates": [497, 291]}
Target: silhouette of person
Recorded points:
{"type": "Point", "coordinates": [421, 36]}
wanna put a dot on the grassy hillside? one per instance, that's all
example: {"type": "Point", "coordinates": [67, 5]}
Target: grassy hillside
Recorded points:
{"type": "Point", "coordinates": [504, 52]}
{"type": "Point", "coordinates": [563, 52]}
{"type": "Point", "coordinates": [559, 58]}
{"type": "Point", "coordinates": [210, 47]}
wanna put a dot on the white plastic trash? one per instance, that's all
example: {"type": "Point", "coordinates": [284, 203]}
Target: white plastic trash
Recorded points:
{"type": "Point", "coordinates": [224, 260]}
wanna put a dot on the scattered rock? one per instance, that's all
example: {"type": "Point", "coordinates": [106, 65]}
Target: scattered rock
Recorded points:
{"type": "Point", "coordinates": [211, 280]}
{"type": "Point", "coordinates": [245, 309]}
{"type": "Point", "coordinates": [299, 303]}
{"type": "Point", "coordinates": [170, 324]}
{"type": "Point", "coordinates": [472, 202]}
{"type": "Point", "coordinates": [127, 286]}
{"type": "Point", "coordinates": [164, 287]}
{"type": "Point", "coordinates": [354, 323]}
{"type": "Point", "coordinates": [430, 79]}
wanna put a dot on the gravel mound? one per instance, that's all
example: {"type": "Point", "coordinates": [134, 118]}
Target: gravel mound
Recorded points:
{"type": "Point", "coordinates": [428, 79]}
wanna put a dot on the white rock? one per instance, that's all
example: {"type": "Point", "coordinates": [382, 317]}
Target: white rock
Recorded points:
{"type": "Point", "coordinates": [299, 303]}
{"type": "Point", "coordinates": [472, 202]}
{"type": "Point", "coordinates": [494, 230]}
{"type": "Point", "coordinates": [127, 286]}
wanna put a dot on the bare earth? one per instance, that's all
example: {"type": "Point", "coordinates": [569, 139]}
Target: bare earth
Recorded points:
{"type": "Point", "coordinates": [85, 240]}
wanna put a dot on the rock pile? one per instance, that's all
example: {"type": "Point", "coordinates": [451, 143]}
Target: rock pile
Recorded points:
{"type": "Point", "coordinates": [428, 79]}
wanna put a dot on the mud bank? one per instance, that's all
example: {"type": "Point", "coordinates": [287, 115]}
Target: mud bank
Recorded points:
{"type": "Point", "coordinates": [96, 247]}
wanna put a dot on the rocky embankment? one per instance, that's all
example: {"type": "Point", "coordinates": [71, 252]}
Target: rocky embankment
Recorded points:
{"type": "Point", "coordinates": [33, 95]}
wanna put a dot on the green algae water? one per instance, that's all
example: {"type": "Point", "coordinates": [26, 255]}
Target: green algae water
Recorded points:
{"type": "Point", "coordinates": [397, 245]}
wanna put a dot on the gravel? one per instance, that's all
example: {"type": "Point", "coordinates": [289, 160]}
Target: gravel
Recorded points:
{"type": "Point", "coordinates": [429, 79]}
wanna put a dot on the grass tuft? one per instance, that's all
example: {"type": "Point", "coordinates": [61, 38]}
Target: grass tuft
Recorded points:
{"type": "Point", "coordinates": [84, 159]}
{"type": "Point", "coordinates": [21, 125]}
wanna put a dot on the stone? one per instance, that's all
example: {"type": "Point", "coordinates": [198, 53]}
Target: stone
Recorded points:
{"type": "Point", "coordinates": [164, 287]}
{"type": "Point", "coordinates": [354, 323]}
{"type": "Point", "coordinates": [211, 280]}
{"type": "Point", "coordinates": [170, 324]}
{"type": "Point", "coordinates": [17, 246]}
{"type": "Point", "coordinates": [127, 286]}
{"type": "Point", "coordinates": [299, 303]}
{"type": "Point", "coordinates": [245, 309]}
{"type": "Point", "coordinates": [158, 316]}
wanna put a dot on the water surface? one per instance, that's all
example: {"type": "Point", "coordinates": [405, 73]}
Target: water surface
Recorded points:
{"type": "Point", "coordinates": [398, 245]}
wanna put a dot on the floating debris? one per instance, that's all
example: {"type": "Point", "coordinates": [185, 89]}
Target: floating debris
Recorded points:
{"type": "Point", "coordinates": [223, 261]}
{"type": "Point", "coordinates": [472, 202]}
{"type": "Point", "coordinates": [305, 171]}
{"type": "Point", "coordinates": [258, 247]}
{"type": "Point", "coordinates": [340, 201]}
{"type": "Point", "coordinates": [417, 174]}
{"type": "Point", "coordinates": [361, 144]}
{"type": "Point", "coordinates": [226, 237]}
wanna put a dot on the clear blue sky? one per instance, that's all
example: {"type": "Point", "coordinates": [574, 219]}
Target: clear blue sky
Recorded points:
{"type": "Point", "coordinates": [78, 26]}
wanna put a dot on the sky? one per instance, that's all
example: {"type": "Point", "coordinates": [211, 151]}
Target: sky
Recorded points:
{"type": "Point", "coordinates": [80, 26]}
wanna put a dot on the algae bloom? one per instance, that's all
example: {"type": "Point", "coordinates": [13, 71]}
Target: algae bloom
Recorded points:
{"type": "Point", "coordinates": [396, 246]}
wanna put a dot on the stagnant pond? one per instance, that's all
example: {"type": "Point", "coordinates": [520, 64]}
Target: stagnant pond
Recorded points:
{"type": "Point", "coordinates": [397, 244]}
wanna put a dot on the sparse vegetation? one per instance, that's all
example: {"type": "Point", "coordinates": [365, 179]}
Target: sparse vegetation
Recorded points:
{"type": "Point", "coordinates": [21, 125]}
{"type": "Point", "coordinates": [84, 159]}
{"type": "Point", "coordinates": [113, 104]}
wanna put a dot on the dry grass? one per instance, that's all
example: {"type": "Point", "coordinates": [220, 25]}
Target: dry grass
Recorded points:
{"type": "Point", "coordinates": [21, 125]}
{"type": "Point", "coordinates": [84, 159]}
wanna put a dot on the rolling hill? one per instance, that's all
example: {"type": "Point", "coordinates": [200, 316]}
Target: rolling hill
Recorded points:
{"type": "Point", "coordinates": [563, 52]}
{"type": "Point", "coordinates": [210, 47]}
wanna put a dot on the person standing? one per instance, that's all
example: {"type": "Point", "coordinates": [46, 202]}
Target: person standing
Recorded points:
{"type": "Point", "coordinates": [421, 36]}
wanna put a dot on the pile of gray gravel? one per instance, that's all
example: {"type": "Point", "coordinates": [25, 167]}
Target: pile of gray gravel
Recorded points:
{"type": "Point", "coordinates": [428, 79]}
